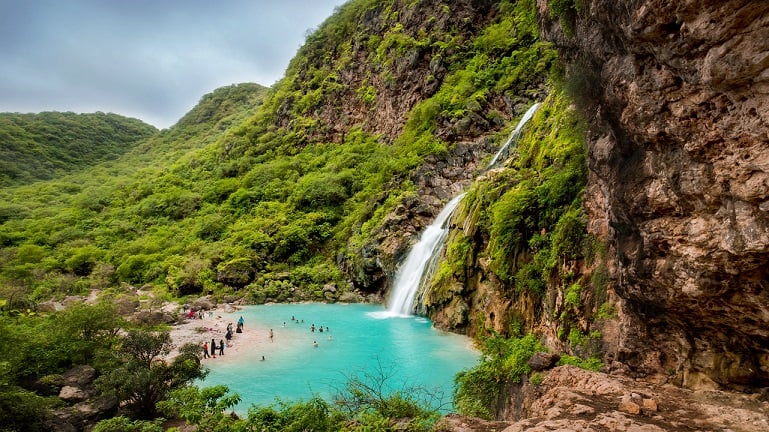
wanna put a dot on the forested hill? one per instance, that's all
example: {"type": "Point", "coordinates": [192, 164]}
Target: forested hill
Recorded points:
{"type": "Point", "coordinates": [47, 145]}
{"type": "Point", "coordinates": [293, 199]}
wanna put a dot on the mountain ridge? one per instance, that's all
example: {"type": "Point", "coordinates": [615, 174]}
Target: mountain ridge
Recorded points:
{"type": "Point", "coordinates": [44, 145]}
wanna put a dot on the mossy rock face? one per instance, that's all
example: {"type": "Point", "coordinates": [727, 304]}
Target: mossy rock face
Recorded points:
{"type": "Point", "coordinates": [238, 272]}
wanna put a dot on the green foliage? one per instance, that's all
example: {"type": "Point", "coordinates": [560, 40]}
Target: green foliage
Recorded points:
{"type": "Point", "coordinates": [367, 94]}
{"type": "Point", "coordinates": [572, 297]}
{"type": "Point", "coordinates": [43, 146]}
{"type": "Point", "coordinates": [89, 328]}
{"type": "Point", "coordinates": [536, 378]}
{"type": "Point", "coordinates": [569, 234]}
{"type": "Point", "coordinates": [599, 280]}
{"type": "Point", "coordinates": [139, 381]}
{"type": "Point", "coordinates": [566, 11]}
{"type": "Point", "coordinates": [311, 415]}
{"type": "Point", "coordinates": [374, 396]}
{"type": "Point", "coordinates": [46, 345]}
{"type": "Point", "coordinates": [204, 408]}
{"type": "Point", "coordinates": [504, 360]}
{"type": "Point", "coordinates": [20, 409]}
{"type": "Point", "coordinates": [592, 363]}
{"type": "Point", "coordinates": [607, 310]}
{"type": "Point", "coordinates": [124, 424]}
{"type": "Point", "coordinates": [534, 219]}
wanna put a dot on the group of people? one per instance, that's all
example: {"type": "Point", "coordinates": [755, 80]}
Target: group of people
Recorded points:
{"type": "Point", "coordinates": [320, 328]}
{"type": "Point", "coordinates": [209, 351]}
{"type": "Point", "coordinates": [239, 329]}
{"type": "Point", "coordinates": [214, 347]}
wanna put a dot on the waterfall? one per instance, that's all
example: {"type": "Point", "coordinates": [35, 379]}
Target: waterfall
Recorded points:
{"type": "Point", "coordinates": [417, 269]}
{"type": "Point", "coordinates": [412, 273]}
{"type": "Point", "coordinates": [515, 135]}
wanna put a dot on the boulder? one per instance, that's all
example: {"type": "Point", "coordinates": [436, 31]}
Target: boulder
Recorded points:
{"type": "Point", "coordinates": [72, 394]}
{"type": "Point", "coordinates": [203, 303]}
{"type": "Point", "coordinates": [543, 361]}
{"type": "Point", "coordinates": [79, 376]}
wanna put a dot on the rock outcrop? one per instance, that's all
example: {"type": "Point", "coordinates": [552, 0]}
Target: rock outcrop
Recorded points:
{"type": "Point", "coordinates": [677, 94]}
{"type": "Point", "coordinates": [572, 399]}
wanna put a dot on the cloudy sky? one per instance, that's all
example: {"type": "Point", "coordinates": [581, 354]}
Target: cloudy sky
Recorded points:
{"type": "Point", "coordinates": [150, 59]}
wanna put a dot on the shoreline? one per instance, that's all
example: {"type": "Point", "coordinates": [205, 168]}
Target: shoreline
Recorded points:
{"type": "Point", "coordinates": [200, 331]}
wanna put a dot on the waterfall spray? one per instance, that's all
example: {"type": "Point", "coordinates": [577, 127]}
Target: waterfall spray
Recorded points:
{"type": "Point", "coordinates": [411, 275]}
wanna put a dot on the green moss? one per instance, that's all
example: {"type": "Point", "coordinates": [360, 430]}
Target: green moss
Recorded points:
{"type": "Point", "coordinates": [536, 378]}
{"type": "Point", "coordinates": [572, 297]}
{"type": "Point", "coordinates": [367, 94]}
{"type": "Point", "coordinates": [534, 219]}
{"type": "Point", "coordinates": [592, 363]}
{"type": "Point", "coordinates": [607, 310]}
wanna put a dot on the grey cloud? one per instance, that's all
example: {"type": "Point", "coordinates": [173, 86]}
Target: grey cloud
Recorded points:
{"type": "Point", "coordinates": [151, 59]}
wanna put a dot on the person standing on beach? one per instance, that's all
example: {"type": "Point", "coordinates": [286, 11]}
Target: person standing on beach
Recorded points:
{"type": "Point", "coordinates": [221, 347]}
{"type": "Point", "coordinates": [271, 335]}
{"type": "Point", "coordinates": [205, 349]}
{"type": "Point", "coordinates": [213, 348]}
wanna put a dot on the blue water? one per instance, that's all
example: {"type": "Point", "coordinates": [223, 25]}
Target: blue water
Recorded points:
{"type": "Point", "coordinates": [408, 350]}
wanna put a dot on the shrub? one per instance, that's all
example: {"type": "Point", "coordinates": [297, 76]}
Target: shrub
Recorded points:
{"type": "Point", "coordinates": [591, 363]}
{"type": "Point", "coordinates": [311, 415]}
{"type": "Point", "coordinates": [124, 424]}
{"type": "Point", "coordinates": [504, 360]}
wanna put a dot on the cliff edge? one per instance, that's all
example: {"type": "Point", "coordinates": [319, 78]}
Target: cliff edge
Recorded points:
{"type": "Point", "coordinates": [677, 96]}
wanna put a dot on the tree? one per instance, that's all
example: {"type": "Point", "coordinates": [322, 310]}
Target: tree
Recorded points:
{"type": "Point", "coordinates": [84, 329]}
{"type": "Point", "coordinates": [20, 409]}
{"type": "Point", "coordinates": [143, 377]}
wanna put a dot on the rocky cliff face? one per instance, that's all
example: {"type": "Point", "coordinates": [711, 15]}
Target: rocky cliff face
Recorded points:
{"type": "Point", "coordinates": [677, 94]}
{"type": "Point", "coordinates": [572, 399]}
{"type": "Point", "coordinates": [399, 55]}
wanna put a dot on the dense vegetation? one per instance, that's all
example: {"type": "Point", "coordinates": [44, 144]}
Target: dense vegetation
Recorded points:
{"type": "Point", "coordinates": [44, 146]}
{"type": "Point", "coordinates": [261, 203]}
{"type": "Point", "coordinates": [124, 356]}
{"type": "Point", "coordinates": [272, 194]}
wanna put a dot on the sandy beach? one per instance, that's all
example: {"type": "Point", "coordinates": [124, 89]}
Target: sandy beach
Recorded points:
{"type": "Point", "coordinates": [199, 331]}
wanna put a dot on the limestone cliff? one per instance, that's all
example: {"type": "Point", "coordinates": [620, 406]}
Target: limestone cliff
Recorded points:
{"type": "Point", "coordinates": [677, 95]}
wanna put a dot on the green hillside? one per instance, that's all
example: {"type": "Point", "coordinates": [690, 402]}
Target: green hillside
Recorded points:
{"type": "Point", "coordinates": [47, 145]}
{"type": "Point", "coordinates": [279, 202]}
